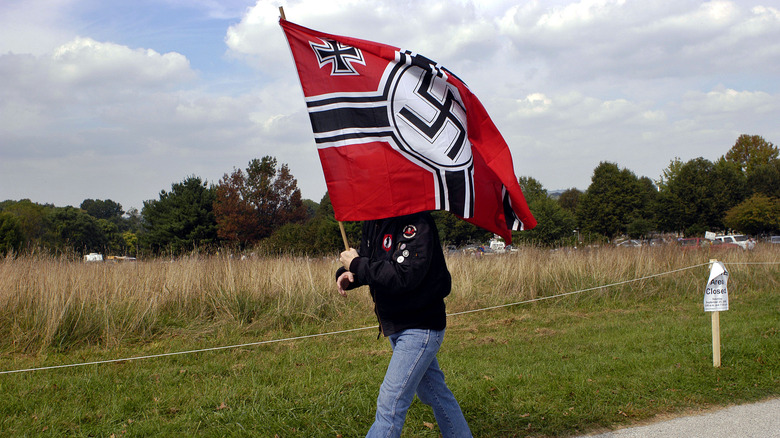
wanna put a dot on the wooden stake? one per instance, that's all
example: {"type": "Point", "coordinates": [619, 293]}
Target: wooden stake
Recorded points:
{"type": "Point", "coordinates": [281, 12]}
{"type": "Point", "coordinates": [715, 333]}
{"type": "Point", "coordinates": [716, 339]}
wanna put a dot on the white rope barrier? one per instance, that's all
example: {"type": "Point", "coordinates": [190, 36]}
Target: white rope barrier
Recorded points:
{"type": "Point", "coordinates": [620, 283]}
{"type": "Point", "coordinates": [755, 263]}
{"type": "Point", "coordinates": [177, 353]}
{"type": "Point", "coordinates": [297, 338]}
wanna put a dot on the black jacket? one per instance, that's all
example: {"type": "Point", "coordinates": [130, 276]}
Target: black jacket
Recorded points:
{"type": "Point", "coordinates": [402, 263]}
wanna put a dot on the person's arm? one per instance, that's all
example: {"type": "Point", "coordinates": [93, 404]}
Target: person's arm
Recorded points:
{"type": "Point", "coordinates": [346, 282]}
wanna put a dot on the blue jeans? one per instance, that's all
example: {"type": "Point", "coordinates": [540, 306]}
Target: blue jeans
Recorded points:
{"type": "Point", "coordinates": [414, 369]}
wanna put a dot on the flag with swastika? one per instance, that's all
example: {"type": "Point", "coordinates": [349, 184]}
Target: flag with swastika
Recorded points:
{"type": "Point", "coordinates": [397, 134]}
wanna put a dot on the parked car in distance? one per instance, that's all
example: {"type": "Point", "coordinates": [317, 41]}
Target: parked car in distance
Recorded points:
{"type": "Point", "coordinates": [718, 245]}
{"type": "Point", "coordinates": [629, 243]}
{"type": "Point", "coordinates": [497, 245]}
{"type": "Point", "coordinates": [93, 257]}
{"type": "Point", "coordinates": [738, 239]}
{"type": "Point", "coordinates": [693, 243]}
{"type": "Point", "coordinates": [774, 239]}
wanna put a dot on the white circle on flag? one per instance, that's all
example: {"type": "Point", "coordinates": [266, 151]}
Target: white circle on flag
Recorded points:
{"type": "Point", "coordinates": [428, 115]}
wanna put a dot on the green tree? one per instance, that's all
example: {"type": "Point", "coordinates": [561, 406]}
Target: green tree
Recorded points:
{"type": "Point", "coordinates": [670, 173]}
{"type": "Point", "coordinates": [326, 232]}
{"type": "Point", "coordinates": [644, 221]}
{"type": "Point", "coordinates": [765, 178]}
{"type": "Point", "coordinates": [311, 208]}
{"type": "Point", "coordinates": [290, 239]}
{"type": "Point", "coordinates": [274, 193]}
{"type": "Point", "coordinates": [132, 221]}
{"type": "Point", "coordinates": [554, 226]}
{"type": "Point", "coordinates": [130, 241]}
{"type": "Point", "coordinates": [750, 151]}
{"type": "Point", "coordinates": [728, 187]}
{"type": "Point", "coordinates": [456, 231]}
{"type": "Point", "coordinates": [73, 229]}
{"type": "Point", "coordinates": [11, 236]}
{"type": "Point", "coordinates": [570, 199]}
{"type": "Point", "coordinates": [114, 241]}
{"type": "Point", "coordinates": [760, 214]}
{"type": "Point", "coordinates": [614, 199]}
{"type": "Point", "coordinates": [759, 161]}
{"type": "Point", "coordinates": [698, 197]}
{"type": "Point", "coordinates": [33, 218]}
{"type": "Point", "coordinates": [532, 188]}
{"type": "Point", "coordinates": [639, 227]}
{"type": "Point", "coordinates": [319, 235]}
{"type": "Point", "coordinates": [103, 209]}
{"type": "Point", "coordinates": [182, 219]}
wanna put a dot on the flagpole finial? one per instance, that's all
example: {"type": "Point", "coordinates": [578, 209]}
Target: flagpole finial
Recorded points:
{"type": "Point", "coordinates": [281, 12]}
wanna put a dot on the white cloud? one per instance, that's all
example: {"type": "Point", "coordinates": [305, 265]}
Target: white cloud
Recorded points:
{"type": "Point", "coordinates": [31, 26]}
{"type": "Point", "coordinates": [75, 87]}
{"type": "Point", "coordinates": [592, 40]}
{"type": "Point", "coordinates": [82, 75]}
{"type": "Point", "coordinates": [434, 28]}
{"type": "Point", "coordinates": [532, 105]}
{"type": "Point", "coordinates": [576, 15]}
{"type": "Point", "coordinates": [110, 109]}
{"type": "Point", "coordinates": [219, 9]}
{"type": "Point", "coordinates": [86, 62]}
{"type": "Point", "coordinates": [728, 101]}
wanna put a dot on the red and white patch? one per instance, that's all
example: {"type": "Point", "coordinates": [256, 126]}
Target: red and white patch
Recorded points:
{"type": "Point", "coordinates": [387, 242]}
{"type": "Point", "coordinates": [410, 231]}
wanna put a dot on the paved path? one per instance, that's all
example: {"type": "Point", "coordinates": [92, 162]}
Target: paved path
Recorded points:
{"type": "Point", "coordinates": [757, 420]}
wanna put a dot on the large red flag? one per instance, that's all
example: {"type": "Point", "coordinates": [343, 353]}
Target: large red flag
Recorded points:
{"type": "Point", "coordinates": [398, 134]}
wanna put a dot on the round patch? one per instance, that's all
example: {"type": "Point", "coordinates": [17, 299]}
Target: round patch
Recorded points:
{"type": "Point", "coordinates": [400, 259]}
{"type": "Point", "coordinates": [410, 231]}
{"type": "Point", "coordinates": [405, 253]}
{"type": "Point", "coordinates": [387, 242]}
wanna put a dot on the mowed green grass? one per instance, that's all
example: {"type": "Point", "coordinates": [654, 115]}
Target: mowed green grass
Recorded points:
{"type": "Point", "coordinates": [559, 367]}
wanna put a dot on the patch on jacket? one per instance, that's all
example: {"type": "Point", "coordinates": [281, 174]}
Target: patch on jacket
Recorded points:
{"type": "Point", "coordinates": [410, 231]}
{"type": "Point", "coordinates": [387, 242]}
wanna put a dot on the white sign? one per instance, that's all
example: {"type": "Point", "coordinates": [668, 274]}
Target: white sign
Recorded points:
{"type": "Point", "coordinates": [716, 294]}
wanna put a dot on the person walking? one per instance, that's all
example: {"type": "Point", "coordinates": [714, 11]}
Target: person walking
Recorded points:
{"type": "Point", "coordinates": [400, 259]}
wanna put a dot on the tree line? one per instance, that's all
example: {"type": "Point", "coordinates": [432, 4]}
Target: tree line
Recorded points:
{"type": "Point", "coordinates": [260, 209]}
{"type": "Point", "coordinates": [740, 191]}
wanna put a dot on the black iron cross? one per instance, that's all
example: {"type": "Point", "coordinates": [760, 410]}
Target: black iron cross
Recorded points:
{"type": "Point", "coordinates": [339, 56]}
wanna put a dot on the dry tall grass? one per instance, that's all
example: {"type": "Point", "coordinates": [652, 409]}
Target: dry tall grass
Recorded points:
{"type": "Point", "coordinates": [52, 303]}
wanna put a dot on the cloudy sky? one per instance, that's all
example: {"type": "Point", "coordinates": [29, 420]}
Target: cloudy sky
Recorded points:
{"type": "Point", "coordinates": [119, 100]}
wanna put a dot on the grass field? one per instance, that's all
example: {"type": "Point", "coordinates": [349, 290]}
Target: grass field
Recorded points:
{"type": "Point", "coordinates": [558, 367]}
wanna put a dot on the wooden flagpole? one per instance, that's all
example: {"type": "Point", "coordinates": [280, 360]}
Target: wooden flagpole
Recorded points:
{"type": "Point", "coordinates": [344, 236]}
{"type": "Point", "coordinates": [341, 224]}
